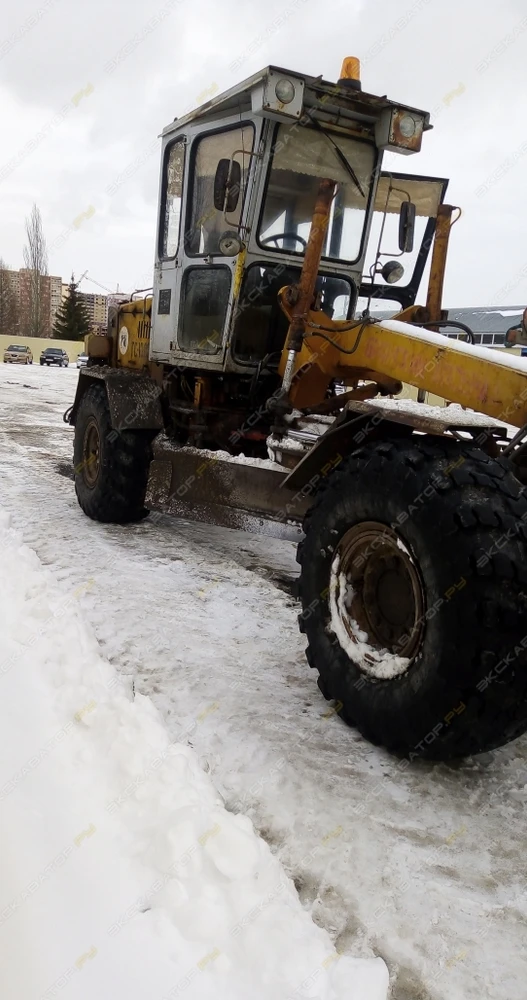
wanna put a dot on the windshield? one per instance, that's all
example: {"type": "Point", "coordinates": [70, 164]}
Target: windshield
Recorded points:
{"type": "Point", "coordinates": [15, 347]}
{"type": "Point", "coordinates": [53, 350]}
{"type": "Point", "coordinates": [301, 159]}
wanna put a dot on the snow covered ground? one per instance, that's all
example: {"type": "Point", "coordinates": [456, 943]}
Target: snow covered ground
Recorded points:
{"type": "Point", "coordinates": [419, 864]}
{"type": "Point", "coordinates": [122, 873]}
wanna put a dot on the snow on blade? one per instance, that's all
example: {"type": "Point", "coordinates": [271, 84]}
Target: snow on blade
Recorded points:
{"type": "Point", "coordinates": [122, 875]}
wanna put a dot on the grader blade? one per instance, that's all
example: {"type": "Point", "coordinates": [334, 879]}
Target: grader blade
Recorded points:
{"type": "Point", "coordinates": [216, 488]}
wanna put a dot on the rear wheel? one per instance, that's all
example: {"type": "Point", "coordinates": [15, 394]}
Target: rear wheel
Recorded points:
{"type": "Point", "coordinates": [111, 468]}
{"type": "Point", "coordinates": [414, 594]}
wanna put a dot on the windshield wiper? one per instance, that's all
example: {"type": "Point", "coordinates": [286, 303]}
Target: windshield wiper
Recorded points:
{"type": "Point", "coordinates": [345, 162]}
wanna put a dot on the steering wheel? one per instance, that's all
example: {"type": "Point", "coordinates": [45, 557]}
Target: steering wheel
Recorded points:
{"type": "Point", "coordinates": [284, 236]}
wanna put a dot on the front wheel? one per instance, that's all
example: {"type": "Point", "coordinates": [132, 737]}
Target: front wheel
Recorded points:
{"type": "Point", "coordinates": [414, 594]}
{"type": "Point", "coordinates": [111, 468]}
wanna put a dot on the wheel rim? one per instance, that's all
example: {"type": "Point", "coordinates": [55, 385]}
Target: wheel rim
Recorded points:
{"type": "Point", "coordinates": [91, 451]}
{"type": "Point", "coordinates": [376, 600]}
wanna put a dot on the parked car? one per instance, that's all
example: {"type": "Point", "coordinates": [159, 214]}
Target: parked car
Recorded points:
{"type": "Point", "coordinates": [54, 356]}
{"type": "Point", "coordinates": [18, 354]}
{"type": "Point", "coordinates": [82, 360]}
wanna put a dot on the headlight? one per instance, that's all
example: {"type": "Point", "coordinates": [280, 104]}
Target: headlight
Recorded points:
{"type": "Point", "coordinates": [278, 97]}
{"type": "Point", "coordinates": [399, 131]}
{"type": "Point", "coordinates": [285, 91]}
{"type": "Point", "coordinates": [392, 271]}
{"type": "Point", "coordinates": [407, 126]}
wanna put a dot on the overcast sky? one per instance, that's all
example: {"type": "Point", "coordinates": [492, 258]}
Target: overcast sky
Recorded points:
{"type": "Point", "coordinates": [85, 90]}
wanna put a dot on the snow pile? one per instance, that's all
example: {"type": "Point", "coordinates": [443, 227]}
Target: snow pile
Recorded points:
{"type": "Point", "coordinates": [122, 875]}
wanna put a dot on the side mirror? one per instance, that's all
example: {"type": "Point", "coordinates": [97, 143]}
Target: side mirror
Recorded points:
{"type": "Point", "coordinates": [406, 227]}
{"type": "Point", "coordinates": [227, 184]}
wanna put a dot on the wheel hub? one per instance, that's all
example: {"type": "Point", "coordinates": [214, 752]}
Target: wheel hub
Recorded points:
{"type": "Point", "coordinates": [377, 599]}
{"type": "Point", "coordinates": [91, 450]}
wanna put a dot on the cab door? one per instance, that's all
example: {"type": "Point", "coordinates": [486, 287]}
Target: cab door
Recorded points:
{"type": "Point", "coordinates": [194, 283]}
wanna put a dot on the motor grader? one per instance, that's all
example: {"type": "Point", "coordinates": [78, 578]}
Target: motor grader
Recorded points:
{"type": "Point", "coordinates": [255, 385]}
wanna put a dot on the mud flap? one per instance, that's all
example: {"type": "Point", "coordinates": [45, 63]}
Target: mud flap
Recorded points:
{"type": "Point", "coordinates": [133, 398]}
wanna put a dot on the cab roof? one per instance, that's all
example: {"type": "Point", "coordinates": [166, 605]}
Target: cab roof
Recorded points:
{"type": "Point", "coordinates": [328, 101]}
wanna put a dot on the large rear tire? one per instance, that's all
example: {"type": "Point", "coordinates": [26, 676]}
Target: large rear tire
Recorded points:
{"type": "Point", "coordinates": [414, 593]}
{"type": "Point", "coordinates": [111, 468]}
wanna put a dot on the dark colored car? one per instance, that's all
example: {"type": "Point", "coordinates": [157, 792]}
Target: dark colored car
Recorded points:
{"type": "Point", "coordinates": [54, 356]}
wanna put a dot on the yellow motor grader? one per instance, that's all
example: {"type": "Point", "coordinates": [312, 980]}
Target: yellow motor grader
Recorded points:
{"type": "Point", "coordinates": [255, 386]}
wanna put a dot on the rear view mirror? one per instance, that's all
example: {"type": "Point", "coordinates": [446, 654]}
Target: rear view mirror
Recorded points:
{"type": "Point", "coordinates": [406, 227]}
{"type": "Point", "coordinates": [227, 182]}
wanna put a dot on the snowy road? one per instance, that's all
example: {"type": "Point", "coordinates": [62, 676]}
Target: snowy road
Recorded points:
{"type": "Point", "coordinates": [420, 864]}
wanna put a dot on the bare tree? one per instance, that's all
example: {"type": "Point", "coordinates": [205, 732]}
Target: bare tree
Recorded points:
{"type": "Point", "coordinates": [36, 260]}
{"type": "Point", "coordinates": [9, 319]}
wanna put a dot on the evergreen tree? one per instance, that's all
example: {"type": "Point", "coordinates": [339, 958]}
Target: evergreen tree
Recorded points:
{"type": "Point", "coordinates": [9, 318]}
{"type": "Point", "coordinates": [72, 321]}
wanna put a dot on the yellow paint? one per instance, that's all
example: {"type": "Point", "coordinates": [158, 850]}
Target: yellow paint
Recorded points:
{"type": "Point", "coordinates": [238, 273]}
{"type": "Point", "coordinates": [134, 318]}
{"type": "Point", "coordinates": [477, 383]}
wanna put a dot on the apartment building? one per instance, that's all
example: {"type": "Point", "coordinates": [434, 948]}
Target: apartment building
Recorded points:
{"type": "Point", "coordinates": [50, 298]}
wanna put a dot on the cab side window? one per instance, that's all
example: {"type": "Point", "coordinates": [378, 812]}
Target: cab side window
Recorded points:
{"type": "Point", "coordinates": [207, 223]}
{"type": "Point", "coordinates": [173, 187]}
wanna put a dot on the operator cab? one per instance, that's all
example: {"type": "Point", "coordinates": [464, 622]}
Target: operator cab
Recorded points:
{"type": "Point", "coordinates": [239, 182]}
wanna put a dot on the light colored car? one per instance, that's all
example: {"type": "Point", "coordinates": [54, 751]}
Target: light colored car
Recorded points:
{"type": "Point", "coordinates": [82, 360]}
{"type": "Point", "coordinates": [18, 354]}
